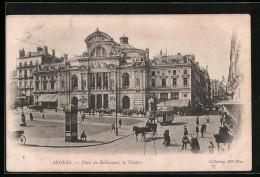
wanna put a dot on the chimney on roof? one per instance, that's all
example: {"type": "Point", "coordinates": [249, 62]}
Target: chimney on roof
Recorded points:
{"type": "Point", "coordinates": [207, 68]}
{"type": "Point", "coordinates": [147, 53]}
{"type": "Point", "coordinates": [45, 50]}
{"type": "Point", "coordinates": [124, 40]}
{"type": "Point", "coordinates": [53, 53]}
{"type": "Point", "coordinates": [161, 52]}
{"type": "Point", "coordinates": [65, 57]}
{"type": "Point", "coordinates": [21, 53]}
{"type": "Point", "coordinates": [223, 78]}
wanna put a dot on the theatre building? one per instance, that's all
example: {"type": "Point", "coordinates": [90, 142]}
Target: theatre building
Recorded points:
{"type": "Point", "coordinates": [90, 80]}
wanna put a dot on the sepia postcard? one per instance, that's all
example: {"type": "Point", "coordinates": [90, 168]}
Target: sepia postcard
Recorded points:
{"type": "Point", "coordinates": [128, 93]}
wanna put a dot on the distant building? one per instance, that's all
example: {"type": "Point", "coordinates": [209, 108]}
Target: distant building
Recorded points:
{"type": "Point", "coordinates": [235, 77]}
{"type": "Point", "coordinates": [218, 90]}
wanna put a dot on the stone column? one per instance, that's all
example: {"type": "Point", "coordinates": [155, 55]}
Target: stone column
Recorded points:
{"type": "Point", "coordinates": [108, 80]}
{"type": "Point", "coordinates": [95, 81]}
{"type": "Point", "coordinates": [169, 96]}
{"type": "Point", "coordinates": [102, 81]}
{"type": "Point", "coordinates": [58, 84]}
{"type": "Point", "coordinates": [102, 97]}
{"type": "Point", "coordinates": [96, 101]}
{"type": "Point", "coordinates": [80, 80]}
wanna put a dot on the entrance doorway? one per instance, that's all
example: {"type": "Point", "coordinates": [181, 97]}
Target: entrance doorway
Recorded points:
{"type": "Point", "coordinates": [99, 101]}
{"type": "Point", "coordinates": [74, 101]}
{"type": "Point", "coordinates": [126, 102]}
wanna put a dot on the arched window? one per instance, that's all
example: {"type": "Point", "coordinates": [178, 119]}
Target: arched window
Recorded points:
{"type": "Point", "coordinates": [99, 52]}
{"type": "Point", "coordinates": [126, 80]}
{"type": "Point", "coordinates": [74, 82]}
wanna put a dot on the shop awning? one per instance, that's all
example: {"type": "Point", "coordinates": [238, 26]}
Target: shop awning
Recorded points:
{"type": "Point", "coordinates": [174, 103]}
{"type": "Point", "coordinates": [47, 98]}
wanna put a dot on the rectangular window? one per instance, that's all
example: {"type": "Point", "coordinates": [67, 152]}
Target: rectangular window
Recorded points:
{"type": "Point", "coordinates": [153, 82]}
{"type": "Point", "coordinates": [174, 72]}
{"type": "Point", "coordinates": [25, 63]}
{"type": "Point", "coordinates": [153, 73]}
{"type": "Point", "coordinates": [175, 95]}
{"type": "Point", "coordinates": [20, 84]}
{"type": "Point", "coordinates": [105, 80]}
{"type": "Point", "coordinates": [25, 73]}
{"type": "Point", "coordinates": [44, 86]}
{"type": "Point", "coordinates": [25, 83]}
{"type": "Point", "coordinates": [185, 81]}
{"type": "Point", "coordinates": [52, 85]}
{"type": "Point", "coordinates": [92, 81]}
{"type": "Point", "coordinates": [20, 74]}
{"type": "Point", "coordinates": [31, 84]}
{"type": "Point", "coordinates": [163, 96]}
{"type": "Point", "coordinates": [37, 85]}
{"type": "Point", "coordinates": [20, 64]}
{"type": "Point", "coordinates": [185, 71]}
{"type": "Point", "coordinates": [37, 77]}
{"type": "Point", "coordinates": [174, 81]}
{"type": "Point", "coordinates": [31, 63]}
{"type": "Point", "coordinates": [163, 82]}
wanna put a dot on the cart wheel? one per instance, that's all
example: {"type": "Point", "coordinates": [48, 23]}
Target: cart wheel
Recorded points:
{"type": "Point", "coordinates": [21, 139]}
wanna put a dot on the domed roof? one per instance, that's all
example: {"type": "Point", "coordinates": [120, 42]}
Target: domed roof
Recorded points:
{"type": "Point", "coordinates": [98, 36]}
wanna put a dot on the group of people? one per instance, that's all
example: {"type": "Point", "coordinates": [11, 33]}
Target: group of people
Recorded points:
{"type": "Point", "coordinates": [113, 126]}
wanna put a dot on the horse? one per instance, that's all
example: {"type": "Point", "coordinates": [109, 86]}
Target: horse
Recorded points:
{"type": "Point", "coordinates": [139, 130]}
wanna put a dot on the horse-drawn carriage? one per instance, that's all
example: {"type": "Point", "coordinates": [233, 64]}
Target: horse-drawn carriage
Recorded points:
{"type": "Point", "coordinates": [150, 128]}
{"type": "Point", "coordinates": [165, 116]}
{"type": "Point", "coordinates": [223, 137]}
{"type": "Point", "coordinates": [19, 137]}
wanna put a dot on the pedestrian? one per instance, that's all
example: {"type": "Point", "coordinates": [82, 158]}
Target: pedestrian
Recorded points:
{"type": "Point", "coordinates": [120, 123]}
{"type": "Point", "coordinates": [82, 117]}
{"type": "Point", "coordinates": [202, 130]}
{"type": "Point", "coordinates": [113, 127]}
{"type": "Point", "coordinates": [205, 127]}
{"type": "Point", "coordinates": [194, 143]}
{"type": "Point", "coordinates": [185, 130]}
{"type": "Point", "coordinates": [197, 120]}
{"type": "Point", "coordinates": [167, 138]}
{"type": "Point", "coordinates": [211, 148]}
{"type": "Point", "coordinates": [197, 130]}
{"type": "Point", "coordinates": [83, 136]}
{"type": "Point", "coordinates": [185, 141]}
{"type": "Point", "coordinates": [43, 116]}
{"type": "Point", "coordinates": [93, 112]}
{"type": "Point", "coordinates": [31, 116]}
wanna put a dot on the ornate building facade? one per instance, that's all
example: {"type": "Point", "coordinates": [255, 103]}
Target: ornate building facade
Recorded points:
{"type": "Point", "coordinates": [108, 70]}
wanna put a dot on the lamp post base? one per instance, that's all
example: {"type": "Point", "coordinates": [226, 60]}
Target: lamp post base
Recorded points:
{"type": "Point", "coordinates": [116, 131]}
{"type": "Point", "coordinates": [23, 124]}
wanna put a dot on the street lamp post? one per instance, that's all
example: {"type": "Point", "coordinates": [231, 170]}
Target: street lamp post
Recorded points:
{"type": "Point", "coordinates": [116, 104]}
{"type": "Point", "coordinates": [22, 99]}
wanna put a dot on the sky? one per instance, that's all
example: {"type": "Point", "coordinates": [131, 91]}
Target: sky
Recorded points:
{"type": "Point", "coordinates": [208, 37]}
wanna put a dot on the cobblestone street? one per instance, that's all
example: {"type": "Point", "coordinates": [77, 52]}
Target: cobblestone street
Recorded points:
{"type": "Point", "coordinates": [50, 132]}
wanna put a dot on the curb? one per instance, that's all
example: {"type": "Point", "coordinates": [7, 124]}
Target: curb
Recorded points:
{"type": "Point", "coordinates": [34, 145]}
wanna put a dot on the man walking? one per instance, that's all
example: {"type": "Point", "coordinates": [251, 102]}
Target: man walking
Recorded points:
{"type": "Point", "coordinates": [120, 123]}
{"type": "Point", "coordinates": [82, 117]}
{"type": "Point", "coordinates": [202, 130]}
{"type": "Point", "coordinates": [197, 120]}
{"type": "Point", "coordinates": [31, 116]}
{"type": "Point", "coordinates": [185, 141]}
{"type": "Point", "coordinates": [185, 130]}
{"type": "Point", "coordinates": [113, 127]}
{"type": "Point", "coordinates": [197, 130]}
